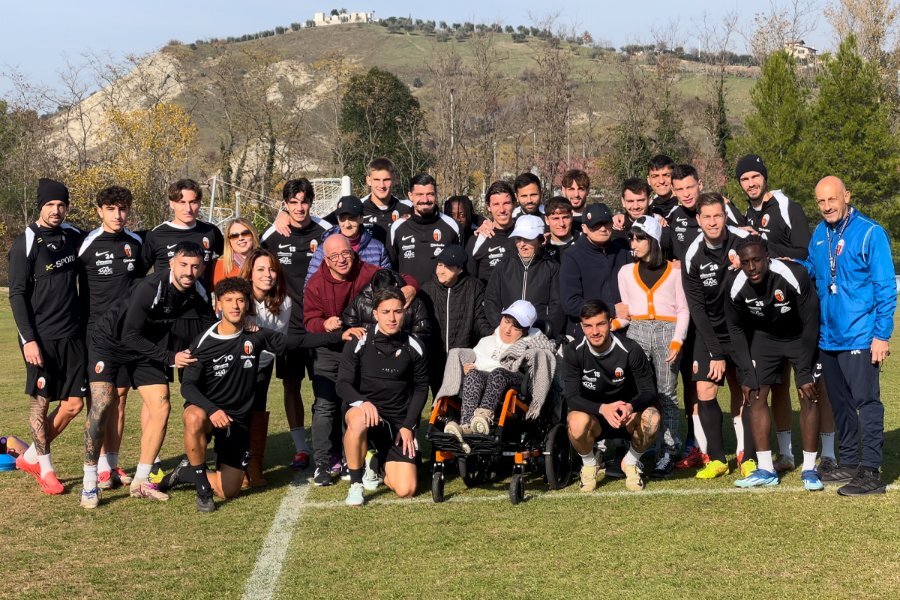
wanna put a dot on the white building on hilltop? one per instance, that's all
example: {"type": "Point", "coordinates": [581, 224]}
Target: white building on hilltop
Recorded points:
{"type": "Point", "coordinates": [323, 20]}
{"type": "Point", "coordinates": [802, 53]}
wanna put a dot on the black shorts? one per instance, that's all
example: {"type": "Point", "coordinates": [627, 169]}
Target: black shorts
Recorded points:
{"type": "Point", "coordinates": [769, 355]}
{"type": "Point", "coordinates": [104, 368]}
{"type": "Point", "coordinates": [381, 438]}
{"type": "Point", "coordinates": [608, 432]}
{"type": "Point", "coordinates": [232, 444]}
{"type": "Point", "coordinates": [62, 375]}
{"type": "Point", "coordinates": [294, 364]}
{"type": "Point", "coordinates": [700, 366]}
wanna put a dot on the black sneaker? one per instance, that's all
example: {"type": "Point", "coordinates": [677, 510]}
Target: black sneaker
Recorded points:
{"type": "Point", "coordinates": [205, 503]}
{"type": "Point", "coordinates": [665, 467]}
{"type": "Point", "coordinates": [833, 473]}
{"type": "Point", "coordinates": [174, 478]}
{"type": "Point", "coordinates": [867, 481]}
{"type": "Point", "coordinates": [323, 475]}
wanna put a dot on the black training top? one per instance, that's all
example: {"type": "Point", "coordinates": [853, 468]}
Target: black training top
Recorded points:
{"type": "Point", "coordinates": [783, 309]}
{"type": "Point", "coordinates": [782, 223]}
{"type": "Point", "coordinates": [414, 242]}
{"type": "Point", "coordinates": [621, 373]}
{"type": "Point", "coordinates": [391, 372]}
{"type": "Point", "coordinates": [664, 207]}
{"type": "Point", "coordinates": [486, 253]}
{"type": "Point", "coordinates": [683, 222]}
{"type": "Point", "coordinates": [43, 292]}
{"type": "Point", "coordinates": [380, 220]}
{"type": "Point", "coordinates": [110, 264]}
{"type": "Point", "coordinates": [161, 240]}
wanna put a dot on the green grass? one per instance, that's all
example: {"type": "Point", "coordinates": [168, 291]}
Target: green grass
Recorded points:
{"type": "Point", "coordinates": [682, 543]}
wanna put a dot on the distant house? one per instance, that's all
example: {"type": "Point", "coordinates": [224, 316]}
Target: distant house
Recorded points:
{"type": "Point", "coordinates": [802, 53]}
{"type": "Point", "coordinates": [321, 19]}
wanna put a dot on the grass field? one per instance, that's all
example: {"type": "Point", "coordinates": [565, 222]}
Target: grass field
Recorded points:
{"type": "Point", "coordinates": [680, 538]}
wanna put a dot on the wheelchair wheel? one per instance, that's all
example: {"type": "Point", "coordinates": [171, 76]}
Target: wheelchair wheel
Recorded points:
{"type": "Point", "coordinates": [437, 486]}
{"type": "Point", "coordinates": [558, 457]}
{"type": "Point", "coordinates": [517, 488]}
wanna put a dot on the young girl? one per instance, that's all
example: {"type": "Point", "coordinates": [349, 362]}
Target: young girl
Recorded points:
{"type": "Point", "coordinates": [658, 321]}
{"type": "Point", "coordinates": [240, 238]}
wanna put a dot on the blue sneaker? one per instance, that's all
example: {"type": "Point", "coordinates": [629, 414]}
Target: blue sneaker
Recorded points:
{"type": "Point", "coordinates": [758, 478]}
{"type": "Point", "coordinates": [811, 481]}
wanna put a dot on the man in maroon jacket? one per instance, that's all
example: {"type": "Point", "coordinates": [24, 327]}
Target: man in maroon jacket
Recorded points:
{"type": "Point", "coordinates": [327, 294]}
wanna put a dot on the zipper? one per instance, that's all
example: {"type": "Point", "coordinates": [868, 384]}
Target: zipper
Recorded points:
{"type": "Point", "coordinates": [447, 335]}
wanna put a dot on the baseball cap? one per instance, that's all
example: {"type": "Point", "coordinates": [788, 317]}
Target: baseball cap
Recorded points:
{"type": "Point", "coordinates": [452, 256]}
{"type": "Point", "coordinates": [349, 205]}
{"type": "Point", "coordinates": [596, 214]}
{"type": "Point", "coordinates": [523, 312]}
{"type": "Point", "coordinates": [529, 227]}
{"type": "Point", "coordinates": [649, 225]}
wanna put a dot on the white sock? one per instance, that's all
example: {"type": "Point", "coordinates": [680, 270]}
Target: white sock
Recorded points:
{"type": "Point", "coordinates": [738, 433]}
{"type": "Point", "coordinates": [142, 471]}
{"type": "Point", "coordinates": [90, 477]}
{"type": "Point", "coordinates": [633, 457]}
{"type": "Point", "coordinates": [589, 459]}
{"type": "Point", "coordinates": [31, 455]}
{"type": "Point", "coordinates": [809, 461]}
{"type": "Point", "coordinates": [764, 460]}
{"type": "Point", "coordinates": [698, 433]}
{"type": "Point", "coordinates": [784, 444]}
{"type": "Point", "coordinates": [827, 445]}
{"type": "Point", "coordinates": [298, 434]}
{"type": "Point", "coordinates": [46, 464]}
{"type": "Point", "coordinates": [103, 466]}
{"type": "Point", "coordinates": [112, 458]}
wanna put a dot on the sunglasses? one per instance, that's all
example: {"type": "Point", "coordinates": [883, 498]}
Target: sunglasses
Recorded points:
{"type": "Point", "coordinates": [240, 234]}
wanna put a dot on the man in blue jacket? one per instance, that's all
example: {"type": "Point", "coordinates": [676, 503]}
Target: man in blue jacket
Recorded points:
{"type": "Point", "coordinates": [850, 261]}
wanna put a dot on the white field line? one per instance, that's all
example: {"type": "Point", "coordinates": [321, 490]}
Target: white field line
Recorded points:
{"type": "Point", "coordinates": [264, 579]}
{"type": "Point", "coordinates": [461, 498]}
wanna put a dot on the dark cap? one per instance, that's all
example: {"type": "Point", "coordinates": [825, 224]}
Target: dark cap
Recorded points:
{"type": "Point", "coordinates": [349, 205]}
{"type": "Point", "coordinates": [452, 256]}
{"type": "Point", "coordinates": [751, 163]}
{"type": "Point", "coordinates": [595, 214]}
{"type": "Point", "coordinates": [49, 190]}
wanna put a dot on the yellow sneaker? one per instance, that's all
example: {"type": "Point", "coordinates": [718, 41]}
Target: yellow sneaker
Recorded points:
{"type": "Point", "coordinates": [747, 467]}
{"type": "Point", "coordinates": [633, 480]}
{"type": "Point", "coordinates": [713, 469]}
{"type": "Point", "coordinates": [589, 476]}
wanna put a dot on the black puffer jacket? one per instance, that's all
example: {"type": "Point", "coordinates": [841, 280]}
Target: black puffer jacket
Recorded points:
{"type": "Point", "coordinates": [359, 314]}
{"type": "Point", "coordinates": [457, 313]}
{"type": "Point", "coordinates": [537, 283]}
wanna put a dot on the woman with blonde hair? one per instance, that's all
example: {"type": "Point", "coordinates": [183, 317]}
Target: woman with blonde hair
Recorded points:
{"type": "Point", "coordinates": [240, 238]}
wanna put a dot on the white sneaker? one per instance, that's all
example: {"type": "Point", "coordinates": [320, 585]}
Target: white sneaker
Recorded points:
{"type": "Point", "coordinates": [355, 496]}
{"type": "Point", "coordinates": [90, 498]}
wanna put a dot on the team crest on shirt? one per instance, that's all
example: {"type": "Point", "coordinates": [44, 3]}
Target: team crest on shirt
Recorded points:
{"type": "Point", "coordinates": [313, 244]}
{"type": "Point", "coordinates": [779, 296]}
{"type": "Point", "coordinates": [436, 234]}
{"type": "Point", "coordinates": [98, 368]}
{"type": "Point", "coordinates": [127, 249]}
{"type": "Point", "coordinates": [764, 221]}
{"type": "Point", "coordinates": [696, 367]}
{"type": "Point", "coordinates": [840, 247]}
{"type": "Point", "coordinates": [619, 374]}
{"type": "Point", "coordinates": [248, 347]}
{"type": "Point", "coordinates": [41, 383]}
{"type": "Point", "coordinates": [205, 243]}
{"type": "Point", "coordinates": [398, 352]}
{"type": "Point", "coordinates": [395, 215]}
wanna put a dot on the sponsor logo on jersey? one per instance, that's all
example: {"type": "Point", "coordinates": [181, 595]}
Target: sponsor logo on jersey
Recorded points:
{"type": "Point", "coordinates": [395, 215]}
{"type": "Point", "coordinates": [408, 238]}
{"type": "Point", "coordinates": [98, 368]}
{"type": "Point", "coordinates": [313, 244]}
{"type": "Point", "coordinates": [131, 266]}
{"type": "Point", "coordinates": [248, 347]}
{"type": "Point", "coordinates": [248, 364]}
{"type": "Point", "coordinates": [840, 247]}
{"type": "Point", "coordinates": [103, 253]}
{"type": "Point", "coordinates": [170, 246]}
{"type": "Point", "coordinates": [205, 243]}
{"type": "Point", "coordinates": [41, 383]}
{"type": "Point", "coordinates": [779, 295]}
{"type": "Point", "coordinates": [436, 234]}
{"type": "Point", "coordinates": [105, 271]}
{"type": "Point", "coordinates": [127, 249]}
{"type": "Point", "coordinates": [764, 221]}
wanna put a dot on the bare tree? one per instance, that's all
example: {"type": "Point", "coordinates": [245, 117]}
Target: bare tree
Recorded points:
{"type": "Point", "coordinates": [778, 26]}
{"type": "Point", "coordinates": [874, 23]}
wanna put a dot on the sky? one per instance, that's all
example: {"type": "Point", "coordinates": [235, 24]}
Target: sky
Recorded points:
{"type": "Point", "coordinates": [40, 37]}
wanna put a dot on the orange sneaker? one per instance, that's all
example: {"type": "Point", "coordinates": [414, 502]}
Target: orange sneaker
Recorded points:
{"type": "Point", "coordinates": [24, 465]}
{"type": "Point", "coordinates": [692, 460]}
{"type": "Point", "coordinates": [50, 484]}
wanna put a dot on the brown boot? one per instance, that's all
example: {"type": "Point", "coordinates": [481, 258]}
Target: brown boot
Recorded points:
{"type": "Point", "coordinates": [259, 431]}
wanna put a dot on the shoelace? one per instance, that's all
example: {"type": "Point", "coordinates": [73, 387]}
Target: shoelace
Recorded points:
{"type": "Point", "coordinates": [663, 462]}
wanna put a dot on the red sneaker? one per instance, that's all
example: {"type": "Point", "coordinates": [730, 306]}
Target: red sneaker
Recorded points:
{"type": "Point", "coordinates": [105, 480]}
{"type": "Point", "coordinates": [123, 477]}
{"type": "Point", "coordinates": [301, 461]}
{"type": "Point", "coordinates": [50, 484]}
{"type": "Point", "coordinates": [24, 465]}
{"type": "Point", "coordinates": [693, 460]}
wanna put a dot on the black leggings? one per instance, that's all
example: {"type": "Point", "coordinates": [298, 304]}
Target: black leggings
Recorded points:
{"type": "Point", "coordinates": [261, 393]}
{"type": "Point", "coordinates": [485, 390]}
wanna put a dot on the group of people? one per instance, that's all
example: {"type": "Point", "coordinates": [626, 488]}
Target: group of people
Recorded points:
{"type": "Point", "coordinates": [370, 300]}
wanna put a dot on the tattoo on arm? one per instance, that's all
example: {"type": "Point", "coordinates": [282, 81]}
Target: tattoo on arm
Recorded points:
{"type": "Point", "coordinates": [37, 421]}
{"type": "Point", "coordinates": [102, 397]}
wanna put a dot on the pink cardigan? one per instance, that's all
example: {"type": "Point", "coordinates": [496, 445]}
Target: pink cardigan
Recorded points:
{"type": "Point", "coordinates": [665, 301]}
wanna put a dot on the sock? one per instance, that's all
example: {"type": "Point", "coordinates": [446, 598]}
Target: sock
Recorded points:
{"type": "Point", "coordinates": [198, 474]}
{"type": "Point", "coordinates": [589, 459]}
{"type": "Point", "coordinates": [46, 464]}
{"type": "Point", "coordinates": [698, 433]}
{"type": "Point", "coordinates": [809, 461]}
{"type": "Point", "coordinates": [103, 464]}
{"type": "Point", "coordinates": [356, 475]}
{"type": "Point", "coordinates": [749, 442]}
{"type": "Point", "coordinates": [711, 420]}
{"type": "Point", "coordinates": [90, 477]}
{"type": "Point", "coordinates": [765, 460]}
{"type": "Point", "coordinates": [31, 455]}
{"type": "Point", "coordinates": [738, 433]}
{"type": "Point", "coordinates": [784, 444]}
{"type": "Point", "coordinates": [827, 445]}
{"type": "Point", "coordinates": [112, 459]}
{"type": "Point", "coordinates": [142, 471]}
{"type": "Point", "coordinates": [690, 439]}
{"type": "Point", "coordinates": [633, 457]}
{"type": "Point", "coordinates": [298, 434]}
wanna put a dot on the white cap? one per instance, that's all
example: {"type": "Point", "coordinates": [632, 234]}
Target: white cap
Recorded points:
{"type": "Point", "coordinates": [522, 311]}
{"type": "Point", "coordinates": [649, 225]}
{"type": "Point", "coordinates": [529, 227]}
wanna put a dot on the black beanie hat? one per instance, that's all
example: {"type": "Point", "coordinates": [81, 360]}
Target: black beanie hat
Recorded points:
{"type": "Point", "coordinates": [49, 190]}
{"type": "Point", "coordinates": [750, 163]}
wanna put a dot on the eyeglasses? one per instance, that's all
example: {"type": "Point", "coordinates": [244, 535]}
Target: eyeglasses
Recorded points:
{"type": "Point", "coordinates": [333, 258]}
{"type": "Point", "coordinates": [240, 234]}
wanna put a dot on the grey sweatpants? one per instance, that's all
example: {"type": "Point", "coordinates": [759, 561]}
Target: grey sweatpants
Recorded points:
{"type": "Point", "coordinates": [654, 337]}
